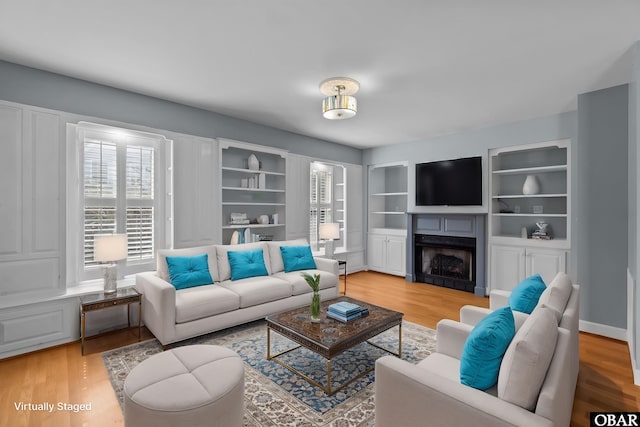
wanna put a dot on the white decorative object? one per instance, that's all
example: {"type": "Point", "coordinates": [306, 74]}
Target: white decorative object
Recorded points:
{"type": "Point", "coordinates": [110, 248]}
{"type": "Point", "coordinates": [531, 185]}
{"type": "Point", "coordinates": [234, 238]}
{"type": "Point", "coordinates": [244, 183]}
{"type": "Point", "coordinates": [253, 162]}
{"type": "Point", "coordinates": [263, 219]}
{"type": "Point", "coordinates": [275, 218]}
{"type": "Point", "coordinates": [329, 232]}
{"type": "Point", "coordinates": [262, 181]}
{"type": "Point", "coordinates": [524, 233]}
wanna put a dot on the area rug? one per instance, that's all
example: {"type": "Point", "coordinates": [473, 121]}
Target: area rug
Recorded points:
{"type": "Point", "coordinates": [276, 397]}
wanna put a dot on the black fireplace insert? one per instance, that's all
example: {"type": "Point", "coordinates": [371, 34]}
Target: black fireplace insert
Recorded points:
{"type": "Point", "coordinates": [446, 261]}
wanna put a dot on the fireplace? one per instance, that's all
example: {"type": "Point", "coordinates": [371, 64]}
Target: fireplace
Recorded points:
{"type": "Point", "coordinates": [447, 261]}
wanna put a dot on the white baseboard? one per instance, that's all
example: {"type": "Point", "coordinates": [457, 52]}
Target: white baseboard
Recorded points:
{"type": "Point", "coordinates": [634, 369]}
{"type": "Point", "coordinates": [604, 330]}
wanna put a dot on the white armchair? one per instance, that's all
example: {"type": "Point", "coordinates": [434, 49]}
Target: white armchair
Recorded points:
{"type": "Point", "coordinates": [430, 393]}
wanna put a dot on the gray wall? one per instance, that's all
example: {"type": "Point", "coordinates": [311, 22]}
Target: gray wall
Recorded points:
{"type": "Point", "coordinates": [601, 212]}
{"type": "Point", "coordinates": [634, 200]}
{"type": "Point", "coordinates": [44, 89]}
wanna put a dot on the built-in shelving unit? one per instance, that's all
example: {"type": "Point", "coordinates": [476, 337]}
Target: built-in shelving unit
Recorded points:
{"type": "Point", "coordinates": [513, 253]}
{"type": "Point", "coordinates": [252, 192]}
{"type": "Point", "coordinates": [387, 208]}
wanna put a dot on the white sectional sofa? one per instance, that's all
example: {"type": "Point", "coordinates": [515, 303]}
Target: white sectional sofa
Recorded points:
{"type": "Point", "coordinates": [174, 315]}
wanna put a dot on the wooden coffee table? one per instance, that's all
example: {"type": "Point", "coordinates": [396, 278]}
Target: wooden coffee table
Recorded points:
{"type": "Point", "coordinates": [329, 337]}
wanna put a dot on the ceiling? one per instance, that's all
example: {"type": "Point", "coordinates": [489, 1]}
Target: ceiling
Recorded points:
{"type": "Point", "coordinates": [425, 67]}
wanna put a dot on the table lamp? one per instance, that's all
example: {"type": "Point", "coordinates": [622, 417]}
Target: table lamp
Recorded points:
{"type": "Point", "coordinates": [329, 232]}
{"type": "Point", "coordinates": [109, 248]}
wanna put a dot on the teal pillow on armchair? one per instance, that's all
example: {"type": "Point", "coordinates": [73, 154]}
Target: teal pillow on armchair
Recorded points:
{"type": "Point", "coordinates": [485, 347]}
{"type": "Point", "coordinates": [526, 294]}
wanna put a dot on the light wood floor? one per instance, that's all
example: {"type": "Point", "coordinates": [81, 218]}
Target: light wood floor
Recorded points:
{"type": "Point", "coordinates": [61, 374]}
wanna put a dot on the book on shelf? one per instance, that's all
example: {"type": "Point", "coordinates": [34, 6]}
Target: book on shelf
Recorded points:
{"type": "Point", "coordinates": [344, 308]}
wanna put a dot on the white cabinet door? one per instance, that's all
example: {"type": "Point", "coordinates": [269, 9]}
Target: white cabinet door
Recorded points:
{"type": "Point", "coordinates": [376, 252]}
{"type": "Point", "coordinates": [396, 255]}
{"type": "Point", "coordinates": [507, 266]}
{"type": "Point", "coordinates": [546, 262]}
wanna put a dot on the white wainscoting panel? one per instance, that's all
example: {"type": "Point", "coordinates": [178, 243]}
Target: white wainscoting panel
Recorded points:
{"type": "Point", "coordinates": [32, 327]}
{"type": "Point", "coordinates": [10, 180]}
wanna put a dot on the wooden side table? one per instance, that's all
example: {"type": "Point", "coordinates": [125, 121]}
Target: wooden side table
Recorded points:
{"type": "Point", "coordinates": [101, 300]}
{"type": "Point", "coordinates": [343, 264]}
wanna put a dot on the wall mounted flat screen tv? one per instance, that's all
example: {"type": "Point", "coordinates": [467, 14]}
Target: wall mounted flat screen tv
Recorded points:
{"type": "Point", "coordinates": [449, 183]}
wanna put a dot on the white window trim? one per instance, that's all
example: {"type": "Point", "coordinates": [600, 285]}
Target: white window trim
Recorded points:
{"type": "Point", "coordinates": [331, 205]}
{"type": "Point", "coordinates": [163, 233]}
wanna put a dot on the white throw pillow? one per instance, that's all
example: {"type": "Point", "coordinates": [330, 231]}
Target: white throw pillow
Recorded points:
{"type": "Point", "coordinates": [557, 294]}
{"type": "Point", "coordinates": [525, 363]}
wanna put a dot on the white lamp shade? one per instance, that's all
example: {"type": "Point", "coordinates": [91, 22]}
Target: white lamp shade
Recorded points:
{"type": "Point", "coordinates": [330, 231]}
{"type": "Point", "coordinates": [109, 247]}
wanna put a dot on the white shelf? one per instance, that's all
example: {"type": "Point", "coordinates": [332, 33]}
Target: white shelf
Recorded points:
{"type": "Point", "coordinates": [525, 196]}
{"type": "Point", "coordinates": [252, 226]}
{"type": "Point", "coordinates": [538, 169]}
{"type": "Point", "coordinates": [543, 215]}
{"type": "Point", "coordinates": [265, 190]}
{"type": "Point", "coordinates": [250, 204]}
{"type": "Point", "coordinates": [251, 172]}
{"type": "Point", "coordinates": [390, 194]}
{"type": "Point", "coordinates": [389, 213]}
{"type": "Point", "coordinates": [517, 240]}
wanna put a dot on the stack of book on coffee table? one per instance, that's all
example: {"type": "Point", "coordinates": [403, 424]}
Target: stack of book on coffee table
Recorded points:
{"type": "Point", "coordinates": [344, 311]}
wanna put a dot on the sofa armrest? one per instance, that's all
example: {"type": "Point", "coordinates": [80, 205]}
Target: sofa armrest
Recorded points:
{"type": "Point", "coordinates": [498, 298]}
{"type": "Point", "coordinates": [407, 395]}
{"type": "Point", "coordinates": [471, 315]}
{"type": "Point", "coordinates": [159, 306]}
{"type": "Point", "coordinates": [451, 336]}
{"type": "Point", "coordinates": [327, 264]}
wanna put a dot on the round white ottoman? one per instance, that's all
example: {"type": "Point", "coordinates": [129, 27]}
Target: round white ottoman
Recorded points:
{"type": "Point", "coordinates": [191, 386]}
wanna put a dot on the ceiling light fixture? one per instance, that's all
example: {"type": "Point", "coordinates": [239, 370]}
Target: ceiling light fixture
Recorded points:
{"type": "Point", "coordinates": [339, 104]}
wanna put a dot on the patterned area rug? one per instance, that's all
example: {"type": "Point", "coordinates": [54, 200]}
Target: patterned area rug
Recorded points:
{"type": "Point", "coordinates": [274, 396]}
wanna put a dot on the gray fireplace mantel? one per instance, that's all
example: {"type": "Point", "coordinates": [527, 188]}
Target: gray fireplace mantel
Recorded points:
{"type": "Point", "coordinates": [459, 225]}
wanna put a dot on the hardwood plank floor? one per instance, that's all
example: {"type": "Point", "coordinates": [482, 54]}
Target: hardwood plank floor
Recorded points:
{"type": "Point", "coordinates": [61, 374]}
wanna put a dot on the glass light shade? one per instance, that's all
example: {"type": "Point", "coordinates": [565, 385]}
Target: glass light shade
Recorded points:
{"type": "Point", "coordinates": [109, 247]}
{"type": "Point", "coordinates": [339, 107]}
{"type": "Point", "coordinates": [330, 231]}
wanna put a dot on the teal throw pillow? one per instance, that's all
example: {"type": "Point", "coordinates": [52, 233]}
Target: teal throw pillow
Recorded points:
{"type": "Point", "coordinates": [526, 294]}
{"type": "Point", "coordinates": [246, 264]}
{"type": "Point", "coordinates": [189, 271]}
{"type": "Point", "coordinates": [485, 346]}
{"type": "Point", "coordinates": [297, 258]}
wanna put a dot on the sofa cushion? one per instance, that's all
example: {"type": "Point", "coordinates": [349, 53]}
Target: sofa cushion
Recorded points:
{"type": "Point", "coordinates": [526, 294]}
{"type": "Point", "coordinates": [297, 258]}
{"type": "Point", "coordinates": [258, 290]}
{"type": "Point", "coordinates": [447, 367]}
{"type": "Point", "coordinates": [483, 350]}
{"type": "Point", "coordinates": [277, 263]}
{"type": "Point", "coordinates": [188, 271]}
{"type": "Point", "coordinates": [527, 359]}
{"type": "Point", "coordinates": [300, 286]}
{"type": "Point", "coordinates": [224, 268]}
{"type": "Point", "coordinates": [557, 294]}
{"type": "Point", "coordinates": [163, 270]}
{"type": "Point", "coordinates": [247, 264]}
{"type": "Point", "coordinates": [204, 301]}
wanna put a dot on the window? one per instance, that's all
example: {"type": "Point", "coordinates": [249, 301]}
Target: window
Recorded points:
{"type": "Point", "coordinates": [122, 190]}
{"type": "Point", "coordinates": [326, 201]}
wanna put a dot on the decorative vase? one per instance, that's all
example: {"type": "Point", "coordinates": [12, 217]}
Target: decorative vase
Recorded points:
{"type": "Point", "coordinates": [253, 163]}
{"type": "Point", "coordinates": [314, 309]}
{"type": "Point", "coordinates": [531, 185]}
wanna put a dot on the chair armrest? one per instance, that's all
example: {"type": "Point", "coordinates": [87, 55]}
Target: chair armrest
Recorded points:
{"type": "Point", "coordinates": [498, 298]}
{"type": "Point", "coordinates": [451, 336]}
{"type": "Point", "coordinates": [471, 315]}
{"type": "Point", "coordinates": [327, 264]}
{"type": "Point", "coordinates": [407, 396]}
{"type": "Point", "coordinates": [159, 305]}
